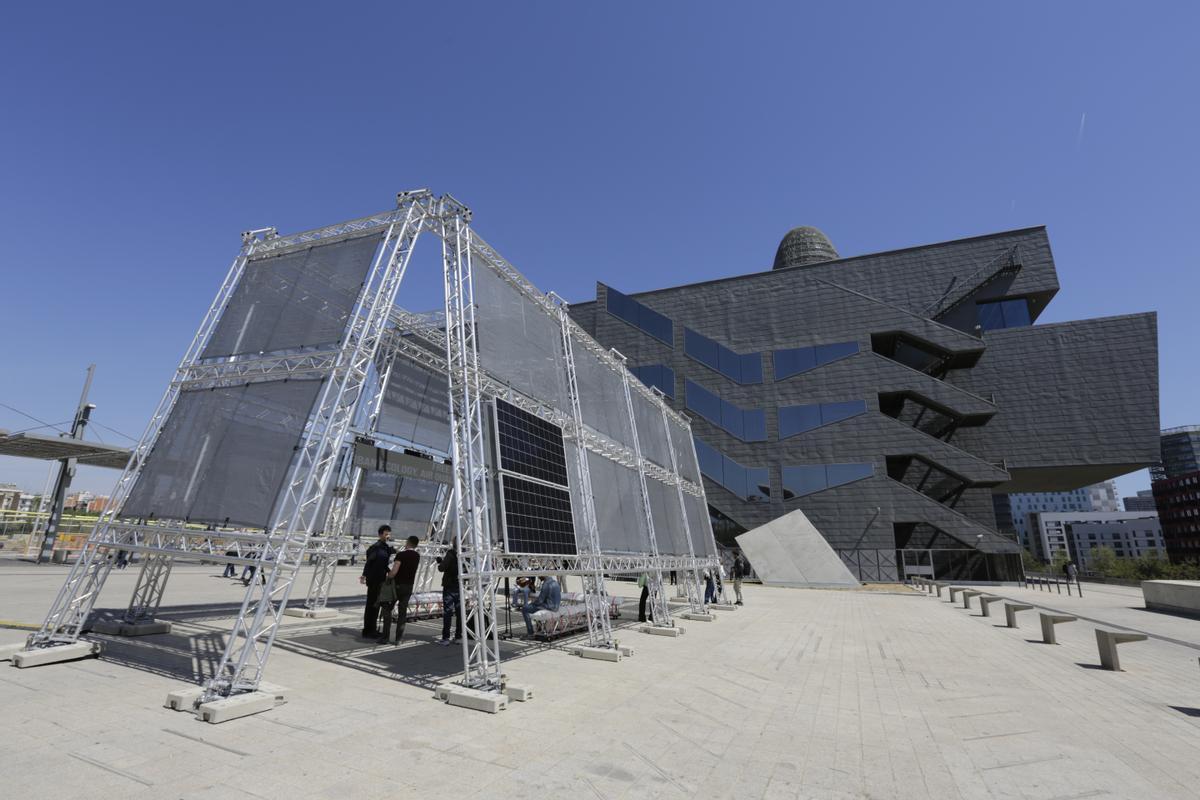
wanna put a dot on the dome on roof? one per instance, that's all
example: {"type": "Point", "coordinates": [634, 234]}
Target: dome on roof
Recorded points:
{"type": "Point", "coordinates": [804, 245]}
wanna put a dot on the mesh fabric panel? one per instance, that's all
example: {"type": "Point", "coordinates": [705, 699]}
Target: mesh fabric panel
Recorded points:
{"type": "Point", "coordinates": [618, 501]}
{"type": "Point", "coordinates": [602, 396]}
{"type": "Point", "coordinates": [652, 433]}
{"type": "Point", "coordinates": [700, 525]}
{"type": "Point", "coordinates": [684, 452]}
{"type": "Point", "coordinates": [519, 341]}
{"type": "Point", "coordinates": [416, 407]}
{"type": "Point", "coordinates": [407, 504]}
{"type": "Point", "coordinates": [668, 526]}
{"type": "Point", "coordinates": [223, 454]}
{"type": "Point", "coordinates": [298, 299]}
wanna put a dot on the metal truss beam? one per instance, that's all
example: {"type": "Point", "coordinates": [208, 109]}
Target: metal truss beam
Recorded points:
{"type": "Point", "coordinates": [253, 634]}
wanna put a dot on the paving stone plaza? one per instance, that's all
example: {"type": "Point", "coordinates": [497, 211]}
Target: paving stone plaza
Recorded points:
{"type": "Point", "coordinates": [874, 693]}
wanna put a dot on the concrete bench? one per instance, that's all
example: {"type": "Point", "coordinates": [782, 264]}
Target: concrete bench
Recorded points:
{"type": "Point", "coordinates": [968, 594]}
{"type": "Point", "coordinates": [939, 587]}
{"type": "Point", "coordinates": [1010, 612]}
{"type": "Point", "coordinates": [953, 590]}
{"type": "Point", "coordinates": [1048, 623]}
{"type": "Point", "coordinates": [1107, 642]}
{"type": "Point", "coordinates": [1175, 597]}
{"type": "Point", "coordinates": [985, 603]}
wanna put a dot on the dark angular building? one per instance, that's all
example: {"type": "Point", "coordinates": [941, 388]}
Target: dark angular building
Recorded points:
{"type": "Point", "coordinates": [1176, 487]}
{"type": "Point", "coordinates": [890, 396]}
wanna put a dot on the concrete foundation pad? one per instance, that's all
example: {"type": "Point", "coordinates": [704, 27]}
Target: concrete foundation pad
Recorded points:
{"type": "Point", "coordinates": [723, 606]}
{"type": "Point", "coordinates": [626, 650]}
{"type": "Point", "coordinates": [55, 654]}
{"type": "Point", "coordinates": [109, 627]}
{"type": "Point", "coordinates": [491, 702]}
{"type": "Point", "coordinates": [116, 627]}
{"type": "Point", "coordinates": [655, 630]}
{"type": "Point", "coordinates": [184, 698]}
{"type": "Point", "coordinates": [697, 616]}
{"type": "Point", "coordinates": [239, 705]}
{"type": "Point", "coordinates": [312, 613]}
{"type": "Point", "coordinates": [518, 693]}
{"type": "Point", "coordinates": [7, 651]}
{"type": "Point", "coordinates": [599, 653]}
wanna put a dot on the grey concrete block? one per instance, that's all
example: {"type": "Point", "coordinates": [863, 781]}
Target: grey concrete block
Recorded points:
{"type": "Point", "coordinates": [56, 654]}
{"type": "Point", "coordinates": [184, 698]}
{"type": "Point", "coordinates": [235, 707]}
{"type": "Point", "coordinates": [598, 653]}
{"type": "Point", "coordinates": [656, 630]}
{"type": "Point", "coordinates": [462, 697]}
{"type": "Point", "coordinates": [697, 616]}
{"type": "Point", "coordinates": [518, 692]}
{"type": "Point", "coordinates": [1107, 641]}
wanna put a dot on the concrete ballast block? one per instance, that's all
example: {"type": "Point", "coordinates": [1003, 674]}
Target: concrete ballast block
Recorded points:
{"type": "Point", "coordinates": [656, 630]}
{"type": "Point", "coordinates": [56, 654]}
{"type": "Point", "coordinates": [599, 653]}
{"type": "Point", "coordinates": [491, 702]}
{"type": "Point", "coordinates": [698, 616]}
{"type": "Point", "coordinates": [183, 699]}
{"type": "Point", "coordinates": [518, 692]}
{"type": "Point", "coordinates": [235, 706]}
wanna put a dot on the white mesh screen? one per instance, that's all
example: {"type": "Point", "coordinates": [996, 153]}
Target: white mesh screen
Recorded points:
{"type": "Point", "coordinates": [619, 515]}
{"type": "Point", "coordinates": [699, 525]}
{"type": "Point", "coordinates": [223, 454]}
{"type": "Point", "coordinates": [668, 525]}
{"type": "Point", "coordinates": [406, 504]}
{"type": "Point", "coordinates": [416, 407]}
{"type": "Point", "coordinates": [684, 452]}
{"type": "Point", "coordinates": [519, 341]}
{"type": "Point", "coordinates": [652, 433]}
{"type": "Point", "coordinates": [298, 299]}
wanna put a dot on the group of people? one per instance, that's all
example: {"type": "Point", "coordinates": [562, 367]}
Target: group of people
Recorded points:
{"type": "Point", "coordinates": [390, 583]}
{"type": "Point", "coordinates": [713, 587]}
{"type": "Point", "coordinates": [390, 577]}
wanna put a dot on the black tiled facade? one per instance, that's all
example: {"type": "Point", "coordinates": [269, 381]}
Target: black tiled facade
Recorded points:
{"type": "Point", "coordinates": [957, 407]}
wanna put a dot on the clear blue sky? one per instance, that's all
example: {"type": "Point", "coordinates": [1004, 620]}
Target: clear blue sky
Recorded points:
{"type": "Point", "coordinates": [645, 144]}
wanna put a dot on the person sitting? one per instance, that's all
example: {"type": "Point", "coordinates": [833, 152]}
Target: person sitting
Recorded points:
{"type": "Point", "coordinates": [548, 599]}
{"type": "Point", "coordinates": [520, 595]}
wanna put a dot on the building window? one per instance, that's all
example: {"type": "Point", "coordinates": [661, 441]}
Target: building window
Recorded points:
{"type": "Point", "coordinates": [659, 376]}
{"type": "Point", "coordinates": [752, 484]}
{"type": "Point", "coordinates": [745, 368]}
{"type": "Point", "coordinates": [794, 420]}
{"type": "Point", "coordinates": [1004, 314]}
{"type": "Point", "coordinates": [647, 319]}
{"type": "Point", "coordinates": [805, 479]}
{"type": "Point", "coordinates": [749, 425]}
{"type": "Point", "coordinates": [796, 360]}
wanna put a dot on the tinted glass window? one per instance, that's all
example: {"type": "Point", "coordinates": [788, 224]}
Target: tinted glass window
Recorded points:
{"type": "Point", "coordinates": [633, 312]}
{"type": "Point", "coordinates": [834, 412]}
{"type": "Point", "coordinates": [754, 423]}
{"type": "Point", "coordinates": [837, 474]}
{"type": "Point", "coordinates": [809, 478]}
{"type": "Point", "coordinates": [758, 484]}
{"type": "Point", "coordinates": [832, 352]}
{"type": "Point", "coordinates": [799, 481]}
{"type": "Point", "coordinates": [1004, 314]}
{"type": "Point", "coordinates": [798, 419]}
{"type": "Point", "coordinates": [656, 375]}
{"type": "Point", "coordinates": [743, 368]}
{"type": "Point", "coordinates": [796, 360]}
{"type": "Point", "coordinates": [703, 402]}
{"type": "Point", "coordinates": [701, 348]}
{"type": "Point", "coordinates": [731, 419]}
{"type": "Point", "coordinates": [709, 458]}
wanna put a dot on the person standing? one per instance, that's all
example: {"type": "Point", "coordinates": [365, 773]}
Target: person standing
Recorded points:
{"type": "Point", "coordinates": [451, 595]}
{"type": "Point", "coordinates": [710, 588]}
{"type": "Point", "coordinates": [375, 570]}
{"type": "Point", "coordinates": [548, 599]}
{"type": "Point", "coordinates": [741, 571]}
{"type": "Point", "coordinates": [644, 582]}
{"type": "Point", "coordinates": [404, 575]}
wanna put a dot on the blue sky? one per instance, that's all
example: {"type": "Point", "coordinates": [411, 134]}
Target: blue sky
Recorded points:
{"type": "Point", "coordinates": [645, 144]}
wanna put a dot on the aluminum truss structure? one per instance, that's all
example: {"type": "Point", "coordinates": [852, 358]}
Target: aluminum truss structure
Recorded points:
{"type": "Point", "coordinates": [355, 376]}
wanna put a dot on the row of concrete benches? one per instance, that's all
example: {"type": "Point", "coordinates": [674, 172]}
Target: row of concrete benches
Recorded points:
{"type": "Point", "coordinates": [1106, 640]}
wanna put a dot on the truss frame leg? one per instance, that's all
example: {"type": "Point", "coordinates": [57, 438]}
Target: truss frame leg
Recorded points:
{"type": "Point", "coordinates": [148, 591]}
{"type": "Point", "coordinates": [595, 593]}
{"type": "Point", "coordinates": [244, 660]}
{"type": "Point", "coordinates": [68, 614]}
{"type": "Point", "coordinates": [472, 520]}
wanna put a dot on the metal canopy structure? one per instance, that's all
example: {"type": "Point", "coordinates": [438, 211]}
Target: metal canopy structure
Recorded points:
{"type": "Point", "coordinates": [309, 406]}
{"type": "Point", "coordinates": [56, 448]}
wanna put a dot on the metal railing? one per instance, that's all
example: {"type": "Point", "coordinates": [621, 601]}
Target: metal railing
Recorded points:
{"type": "Point", "coordinates": [1051, 582]}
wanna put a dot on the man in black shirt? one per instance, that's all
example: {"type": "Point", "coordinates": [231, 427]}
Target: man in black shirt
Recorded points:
{"type": "Point", "coordinates": [404, 574]}
{"type": "Point", "coordinates": [375, 570]}
{"type": "Point", "coordinates": [448, 566]}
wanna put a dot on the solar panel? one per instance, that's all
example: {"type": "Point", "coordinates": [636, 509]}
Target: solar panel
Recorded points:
{"type": "Point", "coordinates": [537, 517]}
{"type": "Point", "coordinates": [529, 445]}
